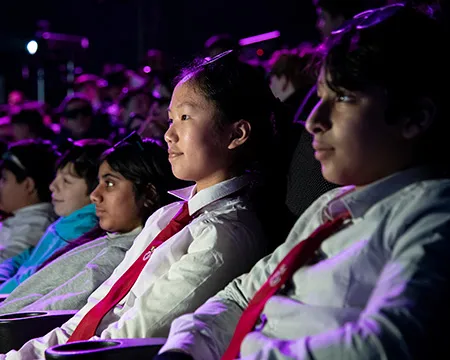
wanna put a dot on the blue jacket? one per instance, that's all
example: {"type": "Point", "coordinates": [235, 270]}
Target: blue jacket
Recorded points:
{"type": "Point", "coordinates": [20, 267]}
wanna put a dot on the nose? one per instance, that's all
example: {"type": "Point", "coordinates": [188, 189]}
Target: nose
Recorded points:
{"type": "Point", "coordinates": [96, 195]}
{"type": "Point", "coordinates": [171, 135]}
{"type": "Point", "coordinates": [53, 185]}
{"type": "Point", "coordinates": [319, 119]}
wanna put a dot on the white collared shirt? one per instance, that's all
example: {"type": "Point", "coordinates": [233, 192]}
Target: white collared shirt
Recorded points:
{"type": "Point", "coordinates": [377, 290]}
{"type": "Point", "coordinates": [224, 240]}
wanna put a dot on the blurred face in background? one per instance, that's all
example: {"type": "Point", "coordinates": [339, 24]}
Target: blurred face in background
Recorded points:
{"type": "Point", "coordinates": [158, 120]}
{"type": "Point", "coordinates": [77, 118]}
{"type": "Point", "coordinates": [138, 105]}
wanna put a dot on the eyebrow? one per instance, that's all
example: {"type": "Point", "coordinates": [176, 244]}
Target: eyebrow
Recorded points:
{"type": "Point", "coordinates": [66, 172]}
{"type": "Point", "coordinates": [185, 103]}
{"type": "Point", "coordinates": [111, 175]}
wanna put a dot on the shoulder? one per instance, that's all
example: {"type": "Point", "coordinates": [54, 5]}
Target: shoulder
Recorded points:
{"type": "Point", "coordinates": [420, 207]}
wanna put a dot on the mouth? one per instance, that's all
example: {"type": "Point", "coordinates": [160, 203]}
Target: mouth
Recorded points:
{"type": "Point", "coordinates": [56, 201]}
{"type": "Point", "coordinates": [99, 212]}
{"type": "Point", "coordinates": [174, 154]}
{"type": "Point", "coordinates": [322, 151]}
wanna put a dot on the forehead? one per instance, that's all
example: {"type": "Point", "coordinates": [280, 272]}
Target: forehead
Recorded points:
{"type": "Point", "coordinates": [75, 104]}
{"type": "Point", "coordinates": [369, 90]}
{"type": "Point", "coordinates": [187, 94]}
{"type": "Point", "coordinates": [68, 169]}
{"type": "Point", "coordinates": [105, 169]}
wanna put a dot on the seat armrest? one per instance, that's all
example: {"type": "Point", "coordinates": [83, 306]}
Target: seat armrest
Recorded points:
{"type": "Point", "coordinates": [112, 349]}
{"type": "Point", "coordinates": [17, 328]}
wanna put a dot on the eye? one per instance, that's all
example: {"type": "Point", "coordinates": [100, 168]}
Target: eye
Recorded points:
{"type": "Point", "coordinates": [109, 184]}
{"type": "Point", "coordinates": [170, 121]}
{"type": "Point", "coordinates": [65, 181]}
{"type": "Point", "coordinates": [185, 117]}
{"type": "Point", "coordinates": [347, 98]}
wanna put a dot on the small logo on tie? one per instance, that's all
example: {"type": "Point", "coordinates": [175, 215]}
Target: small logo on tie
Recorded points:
{"type": "Point", "coordinates": [149, 253]}
{"type": "Point", "coordinates": [276, 277]}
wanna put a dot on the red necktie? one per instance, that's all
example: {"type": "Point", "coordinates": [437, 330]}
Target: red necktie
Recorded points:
{"type": "Point", "coordinates": [88, 325]}
{"type": "Point", "coordinates": [296, 258]}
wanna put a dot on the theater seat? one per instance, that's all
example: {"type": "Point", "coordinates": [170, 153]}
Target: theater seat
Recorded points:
{"type": "Point", "coordinates": [17, 328]}
{"type": "Point", "coordinates": [114, 349]}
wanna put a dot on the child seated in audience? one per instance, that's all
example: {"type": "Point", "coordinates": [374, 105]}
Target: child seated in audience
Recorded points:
{"type": "Point", "coordinates": [75, 179]}
{"type": "Point", "coordinates": [134, 178]}
{"type": "Point", "coordinates": [377, 287]}
{"type": "Point", "coordinates": [27, 169]}
{"type": "Point", "coordinates": [221, 124]}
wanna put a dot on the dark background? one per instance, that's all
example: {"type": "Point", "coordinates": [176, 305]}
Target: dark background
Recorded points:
{"type": "Point", "coordinates": [120, 31]}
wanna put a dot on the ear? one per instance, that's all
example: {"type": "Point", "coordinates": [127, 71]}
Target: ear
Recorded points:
{"type": "Point", "coordinates": [30, 185]}
{"type": "Point", "coordinates": [420, 120]}
{"type": "Point", "coordinates": [240, 133]}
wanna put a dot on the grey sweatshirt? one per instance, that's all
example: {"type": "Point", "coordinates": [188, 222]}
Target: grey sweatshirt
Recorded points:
{"type": "Point", "coordinates": [67, 282]}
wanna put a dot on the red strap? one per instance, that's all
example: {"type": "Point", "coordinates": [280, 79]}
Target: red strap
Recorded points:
{"type": "Point", "coordinates": [295, 259]}
{"type": "Point", "coordinates": [88, 325]}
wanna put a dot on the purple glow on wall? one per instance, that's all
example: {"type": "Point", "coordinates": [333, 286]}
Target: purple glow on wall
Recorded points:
{"type": "Point", "coordinates": [259, 38]}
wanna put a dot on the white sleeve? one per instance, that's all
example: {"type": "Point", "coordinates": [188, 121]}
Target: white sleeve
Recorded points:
{"type": "Point", "coordinates": [219, 252]}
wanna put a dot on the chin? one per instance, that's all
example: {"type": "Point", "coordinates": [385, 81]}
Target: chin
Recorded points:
{"type": "Point", "coordinates": [335, 177]}
{"type": "Point", "coordinates": [105, 225]}
{"type": "Point", "coordinates": [60, 212]}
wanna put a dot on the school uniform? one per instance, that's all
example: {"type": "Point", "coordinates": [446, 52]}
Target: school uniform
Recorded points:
{"type": "Point", "coordinates": [223, 240]}
{"type": "Point", "coordinates": [376, 289]}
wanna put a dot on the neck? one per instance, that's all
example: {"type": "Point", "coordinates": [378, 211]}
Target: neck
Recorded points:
{"type": "Point", "coordinates": [213, 180]}
{"type": "Point", "coordinates": [26, 203]}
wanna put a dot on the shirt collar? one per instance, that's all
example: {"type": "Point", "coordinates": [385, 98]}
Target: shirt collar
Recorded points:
{"type": "Point", "coordinates": [358, 202]}
{"type": "Point", "coordinates": [134, 232]}
{"type": "Point", "coordinates": [198, 200]}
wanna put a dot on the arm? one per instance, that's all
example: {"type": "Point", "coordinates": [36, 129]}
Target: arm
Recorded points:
{"type": "Point", "coordinates": [35, 348]}
{"type": "Point", "coordinates": [22, 237]}
{"type": "Point", "coordinates": [219, 252]}
{"type": "Point", "coordinates": [9, 267]}
{"type": "Point", "coordinates": [206, 333]}
{"type": "Point", "coordinates": [406, 315]}
{"type": "Point", "coordinates": [73, 290]}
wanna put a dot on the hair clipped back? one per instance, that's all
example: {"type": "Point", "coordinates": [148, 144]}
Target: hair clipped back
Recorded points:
{"type": "Point", "coordinates": [404, 54]}
{"type": "Point", "coordinates": [239, 91]}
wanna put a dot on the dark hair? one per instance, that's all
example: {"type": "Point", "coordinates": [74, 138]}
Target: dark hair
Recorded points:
{"type": "Point", "coordinates": [147, 166]}
{"type": "Point", "coordinates": [405, 55]}
{"type": "Point", "coordinates": [115, 75]}
{"type": "Point", "coordinates": [220, 41]}
{"type": "Point", "coordinates": [293, 65]}
{"type": "Point", "coordinates": [238, 91]}
{"type": "Point", "coordinates": [346, 8]}
{"type": "Point", "coordinates": [33, 118]}
{"type": "Point", "coordinates": [35, 159]}
{"type": "Point", "coordinates": [85, 157]}
{"type": "Point", "coordinates": [87, 107]}
{"type": "Point", "coordinates": [126, 97]}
